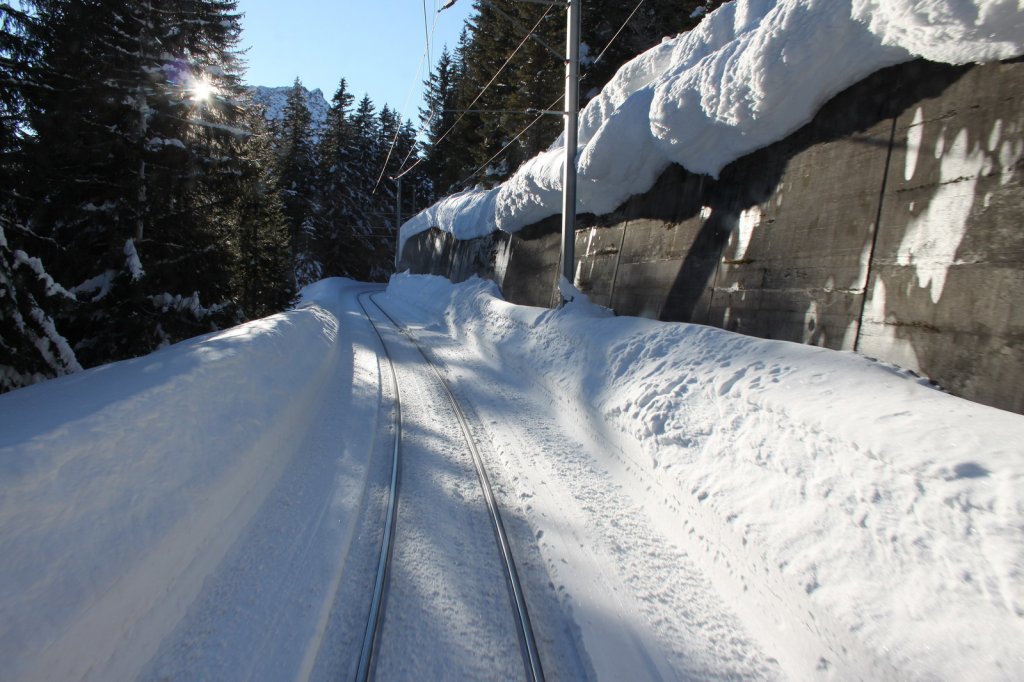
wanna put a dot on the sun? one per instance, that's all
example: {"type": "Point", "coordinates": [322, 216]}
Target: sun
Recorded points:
{"type": "Point", "coordinates": [202, 90]}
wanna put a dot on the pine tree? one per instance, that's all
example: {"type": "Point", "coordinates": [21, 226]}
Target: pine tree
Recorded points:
{"type": "Point", "coordinates": [365, 147]}
{"type": "Point", "coordinates": [493, 39]}
{"type": "Point", "coordinates": [263, 279]}
{"type": "Point", "coordinates": [417, 189]}
{"type": "Point", "coordinates": [31, 347]}
{"type": "Point", "coordinates": [534, 78]}
{"type": "Point", "coordinates": [440, 163]}
{"type": "Point", "coordinates": [343, 208]}
{"type": "Point", "coordinates": [131, 164]}
{"type": "Point", "coordinates": [296, 183]}
{"type": "Point", "coordinates": [541, 78]}
{"type": "Point", "coordinates": [395, 144]}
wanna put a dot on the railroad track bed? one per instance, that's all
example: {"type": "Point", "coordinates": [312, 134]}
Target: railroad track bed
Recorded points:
{"type": "Point", "coordinates": [447, 601]}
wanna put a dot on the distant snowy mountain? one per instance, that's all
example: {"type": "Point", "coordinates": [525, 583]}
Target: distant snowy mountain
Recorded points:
{"type": "Point", "coordinates": [274, 99]}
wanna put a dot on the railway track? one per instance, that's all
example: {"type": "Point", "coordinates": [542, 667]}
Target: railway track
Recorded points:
{"type": "Point", "coordinates": [532, 668]}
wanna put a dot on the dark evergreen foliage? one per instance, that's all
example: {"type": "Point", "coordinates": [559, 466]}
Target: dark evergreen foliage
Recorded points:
{"type": "Point", "coordinates": [532, 80]}
{"type": "Point", "coordinates": [263, 279]}
{"type": "Point", "coordinates": [296, 182]}
{"type": "Point", "coordinates": [132, 184]}
{"type": "Point", "coordinates": [31, 347]}
{"type": "Point", "coordinates": [130, 166]}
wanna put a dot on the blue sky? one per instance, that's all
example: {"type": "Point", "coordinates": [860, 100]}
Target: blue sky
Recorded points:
{"type": "Point", "coordinates": [376, 45]}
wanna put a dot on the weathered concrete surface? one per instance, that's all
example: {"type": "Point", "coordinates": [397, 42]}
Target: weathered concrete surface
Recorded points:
{"type": "Point", "coordinates": [429, 253]}
{"type": "Point", "coordinates": [948, 267]}
{"type": "Point", "coordinates": [533, 264]}
{"type": "Point", "coordinates": [795, 264]}
{"type": "Point", "coordinates": [597, 258]}
{"type": "Point", "coordinates": [892, 224]}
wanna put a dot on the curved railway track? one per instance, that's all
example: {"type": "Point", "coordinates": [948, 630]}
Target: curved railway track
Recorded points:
{"type": "Point", "coordinates": [371, 640]}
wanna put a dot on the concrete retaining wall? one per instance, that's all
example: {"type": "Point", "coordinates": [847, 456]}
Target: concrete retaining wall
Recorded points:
{"type": "Point", "coordinates": [892, 224]}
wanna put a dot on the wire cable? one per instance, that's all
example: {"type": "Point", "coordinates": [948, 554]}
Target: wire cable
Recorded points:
{"type": "Point", "coordinates": [534, 122]}
{"type": "Point", "coordinates": [621, 28]}
{"type": "Point", "coordinates": [425, 58]}
{"type": "Point", "coordinates": [507, 145]}
{"type": "Point", "coordinates": [488, 85]}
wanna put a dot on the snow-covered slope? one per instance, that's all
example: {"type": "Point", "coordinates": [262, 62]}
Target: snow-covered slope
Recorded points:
{"type": "Point", "coordinates": [275, 99]}
{"type": "Point", "coordinates": [840, 504]}
{"type": "Point", "coordinates": [751, 72]}
{"type": "Point", "coordinates": [844, 511]}
{"type": "Point", "coordinates": [124, 486]}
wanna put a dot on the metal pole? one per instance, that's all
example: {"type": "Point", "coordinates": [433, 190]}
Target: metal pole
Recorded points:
{"type": "Point", "coordinates": [398, 220]}
{"type": "Point", "coordinates": [572, 107]}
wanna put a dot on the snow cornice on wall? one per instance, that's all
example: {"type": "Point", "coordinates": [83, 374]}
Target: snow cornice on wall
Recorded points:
{"type": "Point", "coordinates": [751, 73]}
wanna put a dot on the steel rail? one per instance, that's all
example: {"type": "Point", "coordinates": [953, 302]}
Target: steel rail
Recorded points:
{"type": "Point", "coordinates": [527, 642]}
{"type": "Point", "coordinates": [375, 616]}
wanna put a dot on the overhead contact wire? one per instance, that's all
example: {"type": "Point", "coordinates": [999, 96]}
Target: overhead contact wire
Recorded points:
{"type": "Point", "coordinates": [486, 87]}
{"type": "Point", "coordinates": [534, 121]}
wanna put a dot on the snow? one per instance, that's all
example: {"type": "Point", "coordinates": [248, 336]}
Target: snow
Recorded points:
{"type": "Point", "coordinates": [100, 283]}
{"type": "Point", "coordinates": [749, 74]}
{"type": "Point", "coordinates": [683, 502]}
{"type": "Point", "coordinates": [132, 262]}
{"type": "Point", "coordinates": [838, 498]}
{"type": "Point", "coordinates": [276, 98]}
{"type": "Point", "coordinates": [36, 266]}
{"type": "Point", "coordinates": [158, 142]}
{"type": "Point", "coordinates": [126, 484]}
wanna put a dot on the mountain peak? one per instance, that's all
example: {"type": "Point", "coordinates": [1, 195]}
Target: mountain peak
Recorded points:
{"type": "Point", "coordinates": [273, 99]}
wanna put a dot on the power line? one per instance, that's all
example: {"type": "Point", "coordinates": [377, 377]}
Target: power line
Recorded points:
{"type": "Point", "coordinates": [426, 31]}
{"type": "Point", "coordinates": [507, 145]}
{"type": "Point", "coordinates": [551, 106]}
{"type": "Point", "coordinates": [621, 28]}
{"type": "Point", "coordinates": [424, 58]}
{"type": "Point", "coordinates": [484, 89]}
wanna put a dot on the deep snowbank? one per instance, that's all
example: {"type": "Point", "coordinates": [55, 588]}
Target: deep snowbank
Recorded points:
{"type": "Point", "coordinates": [124, 486]}
{"type": "Point", "coordinates": [751, 73]}
{"type": "Point", "coordinates": [842, 498]}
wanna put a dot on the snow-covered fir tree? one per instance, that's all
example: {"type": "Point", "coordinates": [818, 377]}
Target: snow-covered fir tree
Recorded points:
{"type": "Point", "coordinates": [31, 347]}
{"type": "Point", "coordinates": [133, 160]}
{"type": "Point", "coordinates": [263, 277]}
{"type": "Point", "coordinates": [440, 162]}
{"type": "Point", "coordinates": [296, 183]}
{"type": "Point", "coordinates": [342, 218]}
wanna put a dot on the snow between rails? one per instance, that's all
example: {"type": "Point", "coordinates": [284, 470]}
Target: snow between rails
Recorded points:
{"type": "Point", "coordinates": [751, 73]}
{"type": "Point", "coordinates": [854, 510]}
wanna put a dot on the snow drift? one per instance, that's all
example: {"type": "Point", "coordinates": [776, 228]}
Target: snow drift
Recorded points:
{"type": "Point", "coordinates": [838, 499]}
{"type": "Point", "coordinates": [749, 74]}
{"type": "Point", "coordinates": [125, 485]}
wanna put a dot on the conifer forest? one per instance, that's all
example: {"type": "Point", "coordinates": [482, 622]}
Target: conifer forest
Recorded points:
{"type": "Point", "coordinates": [145, 198]}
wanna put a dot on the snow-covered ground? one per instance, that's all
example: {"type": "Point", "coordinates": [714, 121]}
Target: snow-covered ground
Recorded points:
{"type": "Point", "coordinates": [750, 73]}
{"type": "Point", "coordinates": [216, 472]}
{"type": "Point", "coordinates": [683, 502]}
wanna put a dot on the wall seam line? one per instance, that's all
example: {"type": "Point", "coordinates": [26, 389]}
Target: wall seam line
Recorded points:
{"type": "Point", "coordinates": [618, 260]}
{"type": "Point", "coordinates": [874, 236]}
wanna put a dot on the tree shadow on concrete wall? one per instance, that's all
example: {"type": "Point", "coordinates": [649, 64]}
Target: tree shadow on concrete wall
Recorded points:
{"type": "Point", "coordinates": [753, 179]}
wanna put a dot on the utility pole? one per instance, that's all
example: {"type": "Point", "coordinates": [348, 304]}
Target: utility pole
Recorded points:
{"type": "Point", "coordinates": [398, 218]}
{"type": "Point", "coordinates": [572, 119]}
{"type": "Point", "coordinates": [572, 115]}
